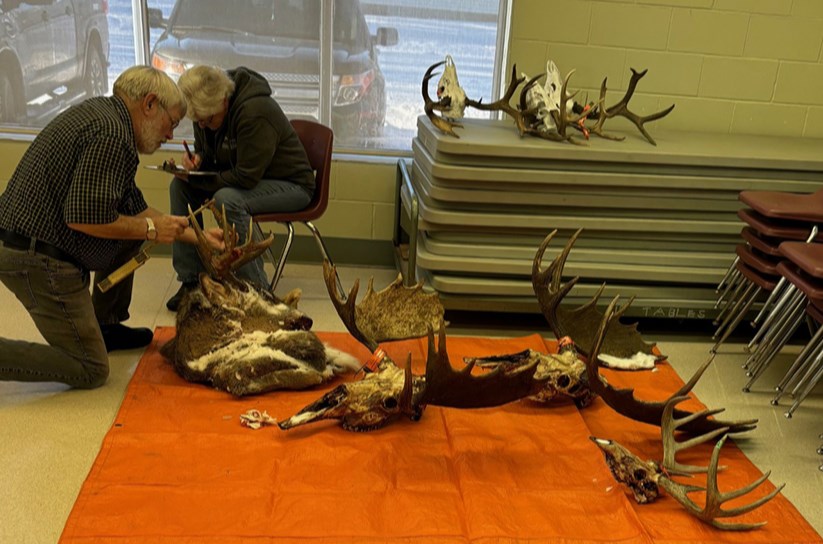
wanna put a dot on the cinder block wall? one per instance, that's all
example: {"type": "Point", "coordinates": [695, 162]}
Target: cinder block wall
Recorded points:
{"type": "Point", "coordinates": [729, 66]}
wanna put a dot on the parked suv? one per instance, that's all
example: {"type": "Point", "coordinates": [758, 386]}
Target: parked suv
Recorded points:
{"type": "Point", "coordinates": [280, 40]}
{"type": "Point", "coordinates": [51, 53]}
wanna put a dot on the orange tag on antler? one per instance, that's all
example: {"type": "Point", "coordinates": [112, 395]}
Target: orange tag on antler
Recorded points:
{"type": "Point", "coordinates": [374, 361]}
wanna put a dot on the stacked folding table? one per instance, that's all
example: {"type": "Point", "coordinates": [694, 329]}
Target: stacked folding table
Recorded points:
{"type": "Point", "coordinates": [660, 222]}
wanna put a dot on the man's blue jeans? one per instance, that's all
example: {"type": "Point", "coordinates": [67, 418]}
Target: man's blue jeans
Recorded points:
{"type": "Point", "coordinates": [269, 196]}
{"type": "Point", "coordinates": [56, 295]}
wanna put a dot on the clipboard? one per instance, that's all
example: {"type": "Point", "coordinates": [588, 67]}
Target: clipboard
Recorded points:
{"type": "Point", "coordinates": [178, 170]}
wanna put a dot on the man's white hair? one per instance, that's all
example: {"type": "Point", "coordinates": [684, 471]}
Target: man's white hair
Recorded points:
{"type": "Point", "coordinates": [137, 82]}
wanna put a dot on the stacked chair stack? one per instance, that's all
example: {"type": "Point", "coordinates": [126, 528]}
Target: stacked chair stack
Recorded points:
{"type": "Point", "coordinates": [781, 261]}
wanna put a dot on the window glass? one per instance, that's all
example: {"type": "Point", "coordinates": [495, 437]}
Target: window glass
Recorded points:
{"type": "Point", "coordinates": [54, 54]}
{"type": "Point", "coordinates": [380, 51]}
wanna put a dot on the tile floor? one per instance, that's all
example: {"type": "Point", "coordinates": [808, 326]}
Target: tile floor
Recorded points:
{"type": "Point", "coordinates": [51, 435]}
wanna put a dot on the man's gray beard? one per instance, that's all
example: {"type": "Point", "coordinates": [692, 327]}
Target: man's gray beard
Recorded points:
{"type": "Point", "coordinates": [147, 142]}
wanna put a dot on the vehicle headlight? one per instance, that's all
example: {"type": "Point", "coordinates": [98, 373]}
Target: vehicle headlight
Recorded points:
{"type": "Point", "coordinates": [352, 88]}
{"type": "Point", "coordinates": [172, 67]}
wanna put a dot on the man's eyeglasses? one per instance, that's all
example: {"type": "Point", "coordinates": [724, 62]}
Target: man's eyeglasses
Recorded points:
{"type": "Point", "coordinates": [174, 123]}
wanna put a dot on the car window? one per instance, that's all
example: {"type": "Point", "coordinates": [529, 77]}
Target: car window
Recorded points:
{"type": "Point", "coordinates": [274, 18]}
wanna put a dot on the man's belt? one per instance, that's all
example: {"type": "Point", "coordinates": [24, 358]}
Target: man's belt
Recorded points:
{"type": "Point", "coordinates": [18, 241]}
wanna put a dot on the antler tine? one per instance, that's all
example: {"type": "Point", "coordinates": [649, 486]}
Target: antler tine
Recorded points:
{"type": "Point", "coordinates": [547, 283]}
{"type": "Point", "coordinates": [601, 117]}
{"type": "Point", "coordinates": [406, 396]}
{"type": "Point", "coordinates": [429, 105]}
{"type": "Point", "coordinates": [671, 446]}
{"type": "Point", "coordinates": [250, 250]}
{"type": "Point", "coordinates": [608, 315]}
{"type": "Point", "coordinates": [202, 246]}
{"type": "Point", "coordinates": [346, 309]}
{"type": "Point", "coordinates": [503, 103]}
{"type": "Point", "coordinates": [713, 508]}
{"type": "Point", "coordinates": [622, 109]}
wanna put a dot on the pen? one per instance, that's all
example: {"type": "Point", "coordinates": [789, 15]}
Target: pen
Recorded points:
{"type": "Point", "coordinates": [188, 151]}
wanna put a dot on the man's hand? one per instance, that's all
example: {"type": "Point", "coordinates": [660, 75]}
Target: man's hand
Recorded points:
{"type": "Point", "coordinates": [170, 227]}
{"type": "Point", "coordinates": [215, 238]}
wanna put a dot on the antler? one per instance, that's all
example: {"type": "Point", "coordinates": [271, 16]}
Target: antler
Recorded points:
{"type": "Point", "coordinates": [429, 105]}
{"type": "Point", "coordinates": [622, 109]}
{"type": "Point", "coordinates": [395, 313]}
{"type": "Point", "coordinates": [580, 324]}
{"type": "Point", "coordinates": [560, 117]}
{"type": "Point", "coordinates": [503, 104]}
{"type": "Point", "coordinates": [713, 508]}
{"type": "Point", "coordinates": [446, 386]}
{"type": "Point", "coordinates": [624, 402]}
{"type": "Point", "coordinates": [222, 264]}
{"type": "Point", "coordinates": [669, 424]}
{"type": "Point", "coordinates": [644, 477]}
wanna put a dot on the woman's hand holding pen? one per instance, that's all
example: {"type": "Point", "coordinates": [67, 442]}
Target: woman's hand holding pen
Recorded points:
{"type": "Point", "coordinates": [191, 161]}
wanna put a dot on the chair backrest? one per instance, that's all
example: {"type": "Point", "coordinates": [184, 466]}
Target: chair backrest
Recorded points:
{"type": "Point", "coordinates": [317, 140]}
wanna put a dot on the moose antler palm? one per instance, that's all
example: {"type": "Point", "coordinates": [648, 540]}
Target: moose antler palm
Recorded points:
{"type": "Point", "coordinates": [585, 325]}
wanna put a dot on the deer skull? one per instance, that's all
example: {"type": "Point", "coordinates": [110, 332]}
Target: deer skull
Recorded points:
{"type": "Point", "coordinates": [450, 92]}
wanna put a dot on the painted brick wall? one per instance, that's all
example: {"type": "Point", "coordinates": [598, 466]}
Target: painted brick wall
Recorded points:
{"type": "Point", "coordinates": [730, 66]}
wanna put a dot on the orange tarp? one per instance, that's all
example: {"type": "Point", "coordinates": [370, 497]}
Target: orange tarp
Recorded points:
{"type": "Point", "coordinates": [177, 467]}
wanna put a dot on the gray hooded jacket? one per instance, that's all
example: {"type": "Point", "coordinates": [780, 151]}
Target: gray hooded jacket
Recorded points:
{"type": "Point", "coordinates": [256, 140]}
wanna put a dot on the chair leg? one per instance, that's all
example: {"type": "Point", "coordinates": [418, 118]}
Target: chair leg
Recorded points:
{"type": "Point", "coordinates": [729, 272]}
{"type": "Point", "coordinates": [811, 351]}
{"type": "Point", "coordinates": [325, 252]}
{"type": "Point", "coordinates": [773, 296]}
{"type": "Point", "coordinates": [281, 263]}
{"type": "Point", "coordinates": [808, 389]}
{"type": "Point", "coordinates": [749, 299]}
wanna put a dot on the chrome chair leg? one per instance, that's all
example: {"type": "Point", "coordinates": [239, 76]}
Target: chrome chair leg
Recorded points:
{"type": "Point", "coordinates": [812, 382]}
{"type": "Point", "coordinates": [281, 263]}
{"type": "Point", "coordinates": [732, 300]}
{"type": "Point", "coordinates": [749, 299]}
{"type": "Point", "coordinates": [774, 295]}
{"type": "Point", "coordinates": [777, 311]}
{"type": "Point", "coordinates": [732, 283]}
{"type": "Point", "coordinates": [729, 271]}
{"type": "Point", "coordinates": [323, 251]}
{"type": "Point", "coordinates": [781, 337]}
{"type": "Point", "coordinates": [811, 351]}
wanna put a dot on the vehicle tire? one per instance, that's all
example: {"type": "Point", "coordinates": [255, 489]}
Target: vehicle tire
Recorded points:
{"type": "Point", "coordinates": [96, 74]}
{"type": "Point", "coordinates": [9, 110]}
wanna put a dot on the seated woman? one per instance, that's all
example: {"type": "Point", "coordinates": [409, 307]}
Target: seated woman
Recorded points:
{"type": "Point", "coordinates": [241, 133]}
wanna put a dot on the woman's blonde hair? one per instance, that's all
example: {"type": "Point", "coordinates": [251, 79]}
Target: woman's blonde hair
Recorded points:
{"type": "Point", "coordinates": [138, 81]}
{"type": "Point", "coordinates": [205, 88]}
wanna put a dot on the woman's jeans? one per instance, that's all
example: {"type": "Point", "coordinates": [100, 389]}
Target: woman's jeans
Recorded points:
{"type": "Point", "coordinates": [56, 295]}
{"type": "Point", "coordinates": [269, 196]}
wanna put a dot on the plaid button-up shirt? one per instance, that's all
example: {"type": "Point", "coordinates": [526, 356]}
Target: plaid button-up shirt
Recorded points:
{"type": "Point", "coordinates": [79, 169]}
